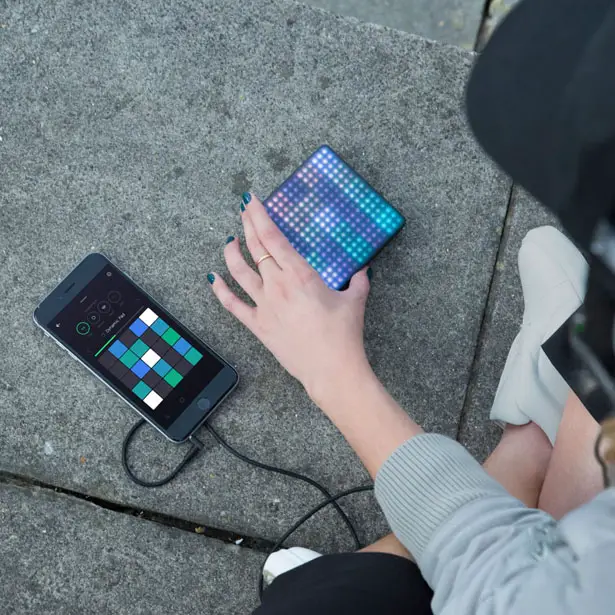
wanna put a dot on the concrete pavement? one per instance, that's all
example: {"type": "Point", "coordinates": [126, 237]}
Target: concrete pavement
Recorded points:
{"type": "Point", "coordinates": [132, 129]}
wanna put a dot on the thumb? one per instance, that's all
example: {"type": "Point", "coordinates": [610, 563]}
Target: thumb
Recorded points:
{"type": "Point", "coordinates": [359, 284]}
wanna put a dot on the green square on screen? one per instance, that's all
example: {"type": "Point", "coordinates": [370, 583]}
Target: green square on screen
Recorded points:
{"type": "Point", "coordinates": [173, 378]}
{"type": "Point", "coordinates": [193, 356]}
{"type": "Point", "coordinates": [139, 348]}
{"type": "Point", "coordinates": [129, 358]}
{"type": "Point", "coordinates": [141, 389]}
{"type": "Point", "coordinates": [171, 336]}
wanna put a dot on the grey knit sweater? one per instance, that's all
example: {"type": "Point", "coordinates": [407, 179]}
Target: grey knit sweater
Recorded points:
{"type": "Point", "coordinates": [483, 551]}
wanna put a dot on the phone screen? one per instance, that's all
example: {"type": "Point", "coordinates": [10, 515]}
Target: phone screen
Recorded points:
{"type": "Point", "coordinates": [135, 345]}
{"type": "Point", "coordinates": [333, 217]}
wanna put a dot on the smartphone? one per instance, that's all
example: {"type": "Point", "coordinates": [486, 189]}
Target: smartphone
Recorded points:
{"type": "Point", "coordinates": [131, 343]}
{"type": "Point", "coordinates": [333, 217]}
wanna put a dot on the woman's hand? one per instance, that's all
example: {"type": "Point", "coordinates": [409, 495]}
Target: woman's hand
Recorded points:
{"type": "Point", "coordinates": [315, 333]}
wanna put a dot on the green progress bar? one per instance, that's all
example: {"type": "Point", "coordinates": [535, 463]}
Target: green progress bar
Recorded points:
{"type": "Point", "coordinates": [108, 342]}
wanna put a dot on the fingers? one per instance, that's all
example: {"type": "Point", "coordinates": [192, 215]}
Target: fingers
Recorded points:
{"type": "Point", "coordinates": [270, 236]}
{"type": "Point", "coordinates": [242, 273]}
{"type": "Point", "coordinates": [256, 248]}
{"type": "Point", "coordinates": [359, 285]}
{"type": "Point", "coordinates": [229, 300]}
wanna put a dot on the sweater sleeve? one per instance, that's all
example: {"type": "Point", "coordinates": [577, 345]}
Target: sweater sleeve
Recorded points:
{"type": "Point", "coordinates": [424, 482]}
{"type": "Point", "coordinates": [484, 552]}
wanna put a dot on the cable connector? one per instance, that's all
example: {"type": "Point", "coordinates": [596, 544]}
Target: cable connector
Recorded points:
{"type": "Point", "coordinates": [196, 447]}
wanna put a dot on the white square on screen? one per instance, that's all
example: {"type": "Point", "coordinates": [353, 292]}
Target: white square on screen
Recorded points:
{"type": "Point", "coordinates": [152, 399]}
{"type": "Point", "coordinates": [148, 317]}
{"type": "Point", "coordinates": [150, 358]}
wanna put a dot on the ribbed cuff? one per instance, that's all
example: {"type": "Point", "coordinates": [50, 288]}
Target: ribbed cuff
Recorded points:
{"type": "Point", "coordinates": [425, 481]}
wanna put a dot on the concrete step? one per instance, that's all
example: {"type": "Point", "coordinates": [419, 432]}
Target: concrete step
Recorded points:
{"type": "Point", "coordinates": [133, 129]}
{"type": "Point", "coordinates": [465, 23]}
{"type": "Point", "coordinates": [451, 21]}
{"type": "Point", "coordinates": [63, 555]}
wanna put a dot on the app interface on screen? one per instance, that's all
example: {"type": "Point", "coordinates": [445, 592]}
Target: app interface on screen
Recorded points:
{"type": "Point", "coordinates": [141, 350]}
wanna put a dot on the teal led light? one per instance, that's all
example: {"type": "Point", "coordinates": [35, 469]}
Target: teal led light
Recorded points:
{"type": "Point", "coordinates": [332, 217]}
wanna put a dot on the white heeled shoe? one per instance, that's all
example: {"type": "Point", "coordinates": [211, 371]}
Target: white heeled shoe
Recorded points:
{"type": "Point", "coordinates": [553, 277]}
{"type": "Point", "coordinates": [284, 560]}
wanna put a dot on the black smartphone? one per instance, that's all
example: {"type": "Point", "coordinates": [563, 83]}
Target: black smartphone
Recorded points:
{"type": "Point", "coordinates": [131, 343]}
{"type": "Point", "coordinates": [333, 217]}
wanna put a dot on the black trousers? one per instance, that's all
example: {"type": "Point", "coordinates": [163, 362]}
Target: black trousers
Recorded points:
{"type": "Point", "coordinates": [353, 583]}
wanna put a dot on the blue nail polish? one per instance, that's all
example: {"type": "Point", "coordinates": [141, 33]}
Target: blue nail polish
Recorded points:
{"type": "Point", "coordinates": [242, 207]}
{"type": "Point", "coordinates": [246, 197]}
{"type": "Point", "coordinates": [370, 273]}
{"type": "Point", "coordinates": [210, 278]}
{"type": "Point", "coordinates": [230, 238]}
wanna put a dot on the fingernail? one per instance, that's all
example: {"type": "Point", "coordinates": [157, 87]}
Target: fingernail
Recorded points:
{"type": "Point", "coordinates": [246, 197]}
{"type": "Point", "coordinates": [230, 238]}
{"type": "Point", "coordinates": [210, 278]}
{"type": "Point", "coordinates": [370, 274]}
{"type": "Point", "coordinates": [242, 207]}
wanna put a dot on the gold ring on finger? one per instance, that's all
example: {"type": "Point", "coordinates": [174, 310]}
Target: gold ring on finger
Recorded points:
{"type": "Point", "coordinates": [264, 257]}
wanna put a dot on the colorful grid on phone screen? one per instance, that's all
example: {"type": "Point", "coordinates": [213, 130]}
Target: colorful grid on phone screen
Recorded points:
{"type": "Point", "coordinates": [333, 217]}
{"type": "Point", "coordinates": [150, 358]}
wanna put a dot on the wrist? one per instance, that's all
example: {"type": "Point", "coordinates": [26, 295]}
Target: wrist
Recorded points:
{"type": "Point", "coordinates": [339, 380]}
{"type": "Point", "coordinates": [357, 403]}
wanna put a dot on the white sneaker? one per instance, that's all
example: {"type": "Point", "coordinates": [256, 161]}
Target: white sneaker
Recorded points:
{"type": "Point", "coordinates": [284, 560]}
{"type": "Point", "coordinates": [553, 277]}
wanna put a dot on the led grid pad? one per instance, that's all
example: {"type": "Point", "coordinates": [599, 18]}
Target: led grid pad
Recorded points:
{"type": "Point", "coordinates": [150, 358]}
{"type": "Point", "coordinates": [333, 217]}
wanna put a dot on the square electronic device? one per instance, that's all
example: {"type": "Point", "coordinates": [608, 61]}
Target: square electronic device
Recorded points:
{"type": "Point", "coordinates": [333, 217]}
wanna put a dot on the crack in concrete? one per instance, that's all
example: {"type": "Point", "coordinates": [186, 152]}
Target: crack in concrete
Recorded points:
{"type": "Point", "coordinates": [483, 29]}
{"type": "Point", "coordinates": [495, 276]}
{"type": "Point", "coordinates": [493, 13]}
{"type": "Point", "coordinates": [248, 542]}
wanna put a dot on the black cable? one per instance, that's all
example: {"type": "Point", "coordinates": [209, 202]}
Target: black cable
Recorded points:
{"type": "Point", "coordinates": [330, 500]}
{"type": "Point", "coordinates": [289, 473]}
{"type": "Point", "coordinates": [195, 449]}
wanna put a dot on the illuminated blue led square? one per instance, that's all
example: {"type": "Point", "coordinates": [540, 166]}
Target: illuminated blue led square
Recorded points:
{"type": "Point", "coordinates": [138, 327]}
{"type": "Point", "coordinates": [182, 346]}
{"type": "Point", "coordinates": [333, 217]}
{"type": "Point", "coordinates": [140, 368]}
{"type": "Point", "coordinates": [117, 349]}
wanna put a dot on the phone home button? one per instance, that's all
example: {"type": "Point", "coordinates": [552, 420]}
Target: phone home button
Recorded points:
{"type": "Point", "coordinates": [203, 403]}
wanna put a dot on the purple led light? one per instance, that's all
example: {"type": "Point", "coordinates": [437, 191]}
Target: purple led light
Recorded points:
{"type": "Point", "coordinates": [332, 217]}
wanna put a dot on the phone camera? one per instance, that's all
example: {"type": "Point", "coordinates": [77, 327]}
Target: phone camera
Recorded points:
{"type": "Point", "coordinates": [93, 317]}
{"type": "Point", "coordinates": [104, 307]}
{"type": "Point", "coordinates": [114, 296]}
{"type": "Point", "coordinates": [109, 274]}
{"type": "Point", "coordinates": [83, 328]}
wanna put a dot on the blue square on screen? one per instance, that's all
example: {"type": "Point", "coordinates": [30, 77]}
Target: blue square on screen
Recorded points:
{"type": "Point", "coordinates": [140, 368]}
{"type": "Point", "coordinates": [182, 346]}
{"type": "Point", "coordinates": [159, 326]}
{"type": "Point", "coordinates": [162, 367]}
{"type": "Point", "coordinates": [138, 327]}
{"type": "Point", "coordinates": [117, 349]}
